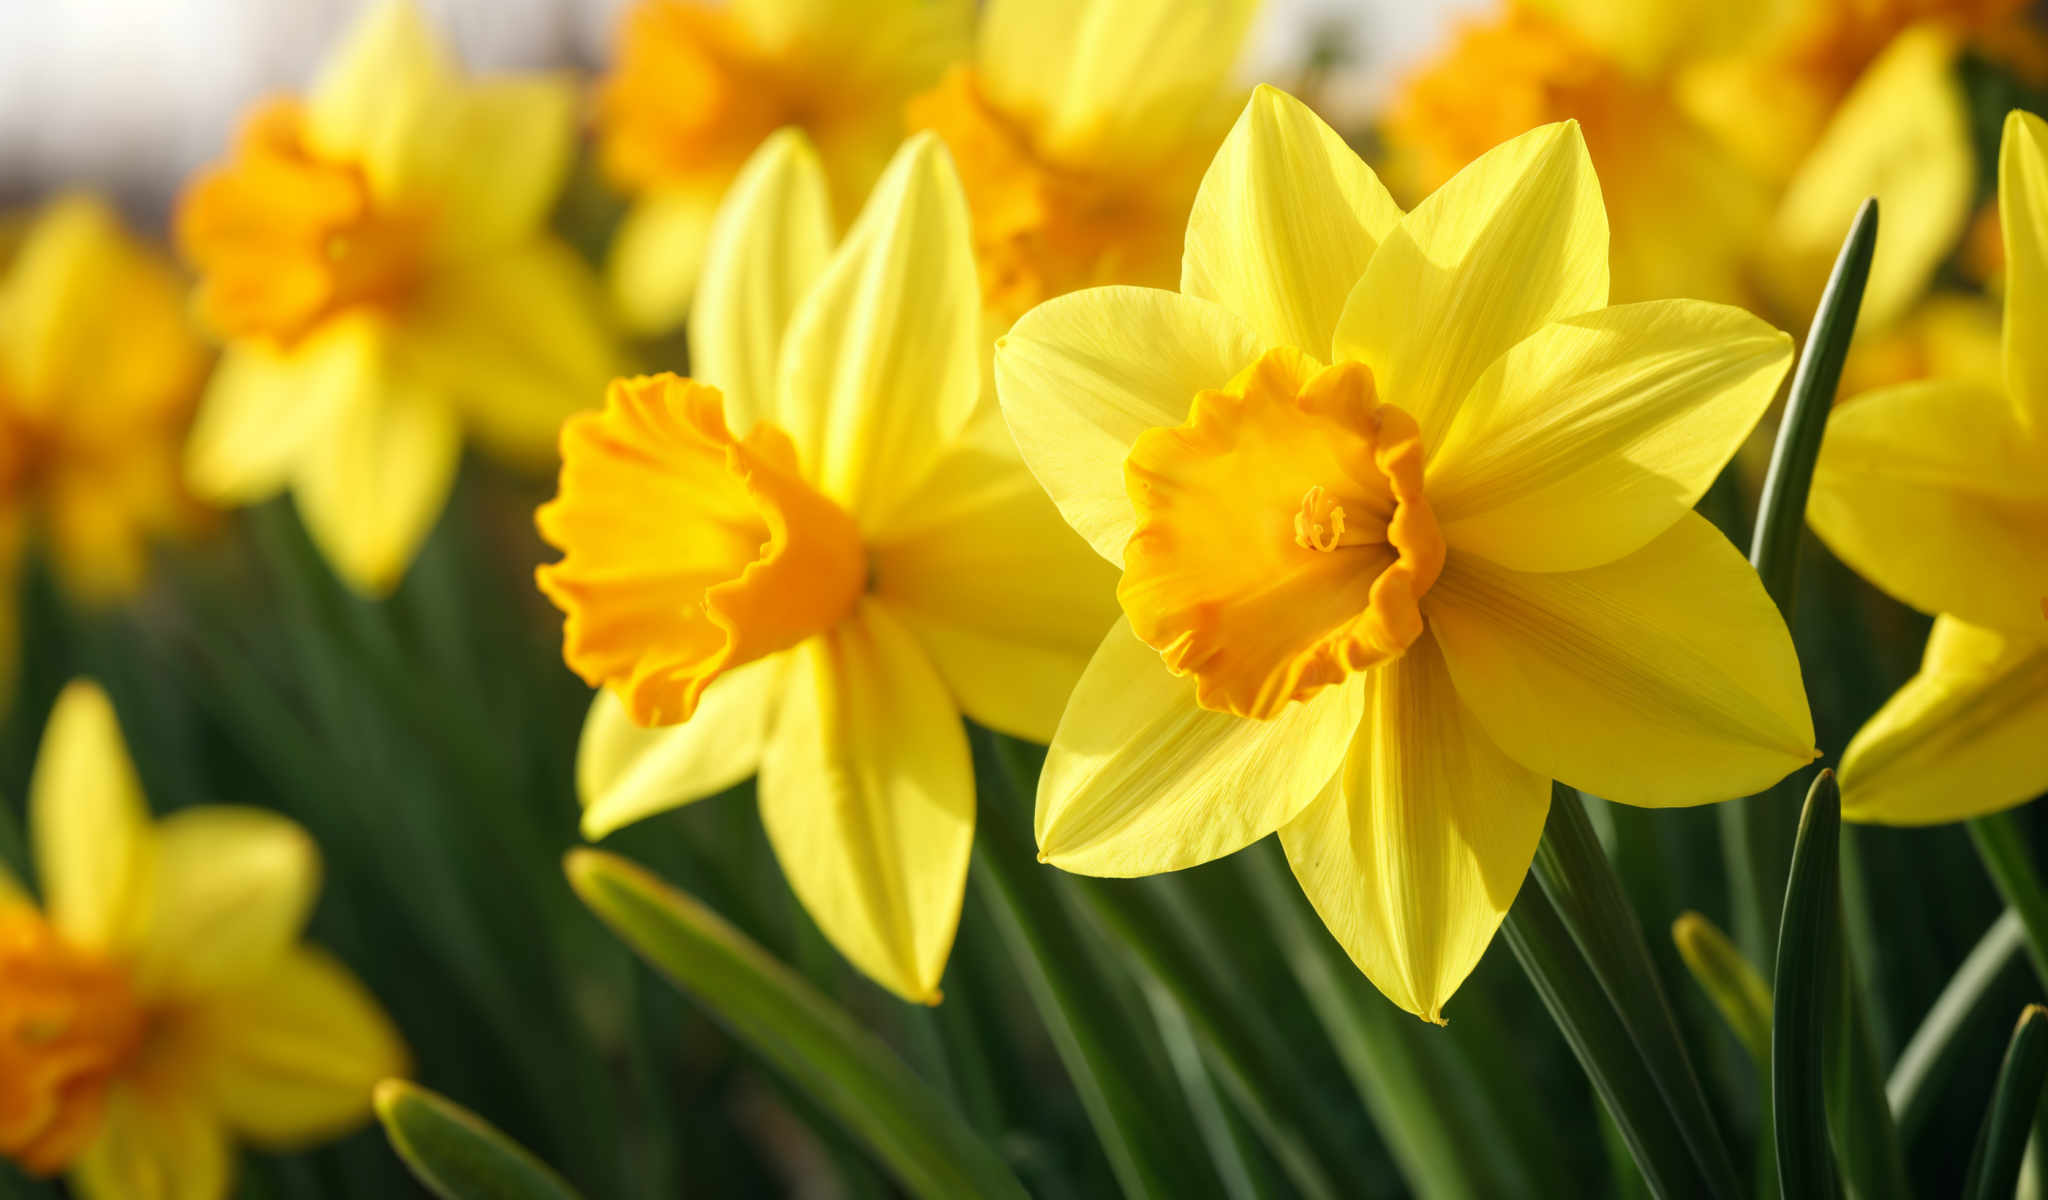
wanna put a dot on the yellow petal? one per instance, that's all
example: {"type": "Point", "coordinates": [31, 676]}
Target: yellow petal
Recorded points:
{"type": "Point", "coordinates": [290, 1059]}
{"type": "Point", "coordinates": [1963, 738]}
{"type": "Point", "coordinates": [88, 821]}
{"type": "Point", "coordinates": [229, 890]}
{"type": "Point", "coordinates": [1664, 678]}
{"type": "Point", "coordinates": [1593, 434]}
{"type": "Point", "coordinates": [268, 408]}
{"type": "Point", "coordinates": [867, 793]}
{"type": "Point", "coordinates": [374, 91]}
{"type": "Point", "coordinates": [1140, 779]}
{"type": "Point", "coordinates": [371, 494]}
{"type": "Point", "coordinates": [769, 244]}
{"type": "Point", "coordinates": [1902, 135]}
{"type": "Point", "coordinates": [2023, 218]}
{"type": "Point", "coordinates": [904, 43]}
{"type": "Point", "coordinates": [1008, 601]}
{"type": "Point", "coordinates": [519, 340]}
{"type": "Point", "coordinates": [657, 256]}
{"type": "Point", "coordinates": [1415, 849]}
{"type": "Point", "coordinates": [882, 363]}
{"type": "Point", "coordinates": [1108, 83]}
{"type": "Point", "coordinates": [1516, 240]}
{"type": "Point", "coordinates": [1285, 221]}
{"type": "Point", "coordinates": [488, 159]}
{"type": "Point", "coordinates": [159, 1141]}
{"type": "Point", "coordinates": [1657, 36]}
{"type": "Point", "coordinates": [1930, 491]}
{"type": "Point", "coordinates": [1081, 376]}
{"type": "Point", "coordinates": [625, 772]}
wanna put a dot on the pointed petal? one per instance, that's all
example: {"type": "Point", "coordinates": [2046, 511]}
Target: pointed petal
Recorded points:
{"type": "Point", "coordinates": [518, 340]}
{"type": "Point", "coordinates": [1108, 83]}
{"type": "Point", "coordinates": [1008, 601]}
{"type": "Point", "coordinates": [88, 821]}
{"type": "Point", "coordinates": [868, 796]}
{"type": "Point", "coordinates": [1285, 221]}
{"type": "Point", "coordinates": [372, 493]}
{"type": "Point", "coordinates": [768, 246]}
{"type": "Point", "coordinates": [625, 772]}
{"type": "Point", "coordinates": [268, 408]}
{"type": "Point", "coordinates": [490, 157]}
{"type": "Point", "coordinates": [1516, 240]}
{"type": "Point", "coordinates": [290, 1059]}
{"type": "Point", "coordinates": [1664, 678]}
{"type": "Point", "coordinates": [657, 257]}
{"type": "Point", "coordinates": [903, 43]}
{"type": "Point", "coordinates": [1931, 491]}
{"type": "Point", "coordinates": [1081, 376]}
{"type": "Point", "coordinates": [1963, 738]}
{"type": "Point", "coordinates": [1140, 779]}
{"type": "Point", "coordinates": [2023, 217]}
{"type": "Point", "coordinates": [229, 891]}
{"type": "Point", "coordinates": [1595, 433]}
{"type": "Point", "coordinates": [881, 367]}
{"type": "Point", "coordinates": [375, 89]}
{"type": "Point", "coordinates": [1416, 848]}
{"type": "Point", "coordinates": [158, 1141]}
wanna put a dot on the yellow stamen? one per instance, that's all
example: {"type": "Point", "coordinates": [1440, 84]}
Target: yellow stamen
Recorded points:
{"type": "Point", "coordinates": [687, 551]}
{"type": "Point", "coordinates": [68, 1023]}
{"type": "Point", "coordinates": [1283, 540]}
{"type": "Point", "coordinates": [283, 238]}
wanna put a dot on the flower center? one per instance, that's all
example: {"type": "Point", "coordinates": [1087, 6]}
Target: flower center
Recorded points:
{"type": "Point", "coordinates": [68, 1023]}
{"type": "Point", "coordinates": [1040, 229]}
{"type": "Point", "coordinates": [282, 238]}
{"type": "Point", "coordinates": [687, 551]}
{"type": "Point", "coordinates": [690, 96]}
{"type": "Point", "coordinates": [1283, 540]}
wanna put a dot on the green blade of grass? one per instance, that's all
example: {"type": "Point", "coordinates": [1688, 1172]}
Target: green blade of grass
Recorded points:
{"type": "Point", "coordinates": [1995, 1166]}
{"type": "Point", "coordinates": [456, 1154]}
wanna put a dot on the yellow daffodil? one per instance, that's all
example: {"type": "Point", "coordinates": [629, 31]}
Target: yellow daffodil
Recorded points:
{"type": "Point", "coordinates": [699, 85]}
{"type": "Point", "coordinates": [98, 375]}
{"type": "Point", "coordinates": [813, 557]}
{"type": "Point", "coordinates": [1937, 491]}
{"type": "Point", "coordinates": [159, 1006]}
{"type": "Point", "coordinates": [377, 259]}
{"type": "Point", "coordinates": [1404, 516]}
{"type": "Point", "coordinates": [1081, 128]}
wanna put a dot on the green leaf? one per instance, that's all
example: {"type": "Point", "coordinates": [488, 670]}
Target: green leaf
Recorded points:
{"type": "Point", "coordinates": [1995, 1166]}
{"type": "Point", "coordinates": [1739, 994]}
{"type": "Point", "coordinates": [458, 1155]}
{"type": "Point", "coordinates": [1754, 832]}
{"type": "Point", "coordinates": [1575, 873]}
{"type": "Point", "coordinates": [1809, 956]}
{"type": "Point", "coordinates": [1859, 1116]}
{"type": "Point", "coordinates": [2004, 853]}
{"type": "Point", "coordinates": [815, 1045]}
{"type": "Point", "coordinates": [1931, 1056]}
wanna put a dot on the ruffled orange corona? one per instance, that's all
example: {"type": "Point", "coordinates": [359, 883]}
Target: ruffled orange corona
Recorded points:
{"type": "Point", "coordinates": [68, 1023]}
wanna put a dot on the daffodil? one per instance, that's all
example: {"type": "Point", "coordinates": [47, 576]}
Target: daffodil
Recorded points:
{"type": "Point", "coordinates": [698, 86]}
{"type": "Point", "coordinates": [1081, 128]}
{"type": "Point", "coordinates": [377, 259]}
{"type": "Point", "coordinates": [159, 1006]}
{"type": "Point", "coordinates": [1937, 491]}
{"type": "Point", "coordinates": [99, 371]}
{"type": "Point", "coordinates": [811, 558]}
{"type": "Point", "coordinates": [1404, 516]}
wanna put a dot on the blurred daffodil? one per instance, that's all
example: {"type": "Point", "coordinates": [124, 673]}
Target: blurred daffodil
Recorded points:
{"type": "Point", "coordinates": [1081, 128]}
{"type": "Point", "coordinates": [1404, 516]}
{"type": "Point", "coordinates": [698, 86]}
{"type": "Point", "coordinates": [159, 1006]}
{"type": "Point", "coordinates": [812, 558]}
{"type": "Point", "coordinates": [1937, 491]}
{"type": "Point", "coordinates": [378, 261]}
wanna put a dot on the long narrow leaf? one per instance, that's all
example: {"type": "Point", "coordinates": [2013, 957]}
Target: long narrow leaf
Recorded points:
{"type": "Point", "coordinates": [456, 1154]}
{"type": "Point", "coordinates": [1809, 951]}
{"type": "Point", "coordinates": [1738, 992]}
{"type": "Point", "coordinates": [1995, 1167]}
{"type": "Point", "coordinates": [1930, 1057]}
{"type": "Point", "coordinates": [2012, 872]}
{"type": "Point", "coordinates": [810, 1040]}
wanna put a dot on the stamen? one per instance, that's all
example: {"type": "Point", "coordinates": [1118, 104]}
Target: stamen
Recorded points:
{"type": "Point", "coordinates": [1320, 523]}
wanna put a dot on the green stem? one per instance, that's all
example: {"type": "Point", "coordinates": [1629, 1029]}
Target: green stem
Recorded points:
{"type": "Point", "coordinates": [1931, 1056]}
{"type": "Point", "coordinates": [2004, 853]}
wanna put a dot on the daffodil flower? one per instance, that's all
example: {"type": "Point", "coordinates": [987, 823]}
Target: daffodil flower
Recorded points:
{"type": "Point", "coordinates": [99, 372]}
{"type": "Point", "coordinates": [1404, 516]}
{"type": "Point", "coordinates": [1081, 128]}
{"type": "Point", "coordinates": [699, 85]}
{"type": "Point", "coordinates": [159, 1007]}
{"type": "Point", "coordinates": [809, 560]}
{"type": "Point", "coordinates": [378, 261]}
{"type": "Point", "coordinates": [1937, 491]}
